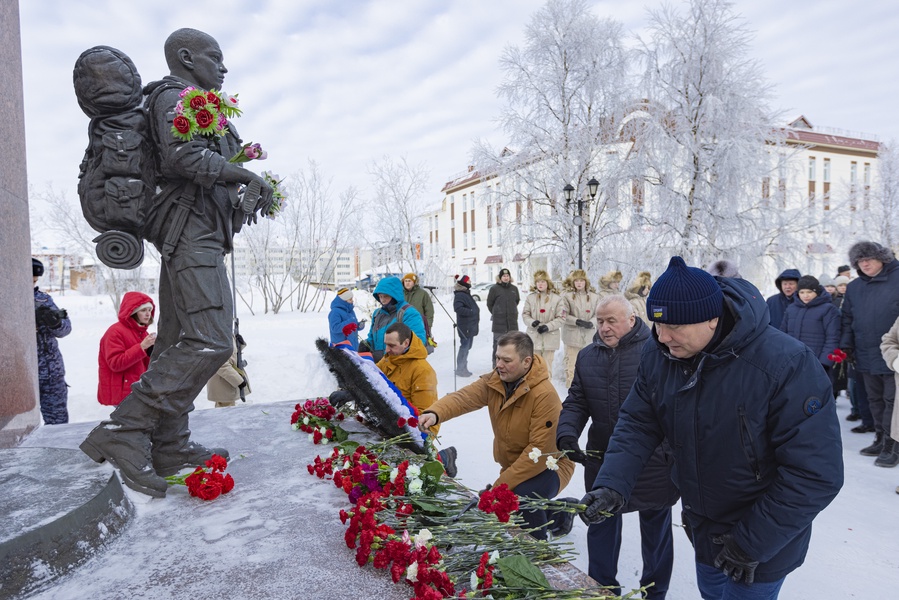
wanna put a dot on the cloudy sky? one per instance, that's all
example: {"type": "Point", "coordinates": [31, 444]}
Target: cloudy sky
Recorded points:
{"type": "Point", "coordinates": [347, 82]}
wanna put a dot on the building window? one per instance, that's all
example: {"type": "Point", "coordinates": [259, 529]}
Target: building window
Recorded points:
{"type": "Point", "coordinates": [464, 202]}
{"type": "Point", "coordinates": [812, 168]}
{"type": "Point", "coordinates": [826, 170]}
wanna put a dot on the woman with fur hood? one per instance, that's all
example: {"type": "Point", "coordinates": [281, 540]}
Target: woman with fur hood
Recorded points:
{"type": "Point", "coordinates": [608, 284]}
{"type": "Point", "coordinates": [579, 300]}
{"type": "Point", "coordinates": [544, 314]}
{"type": "Point", "coordinates": [637, 292]}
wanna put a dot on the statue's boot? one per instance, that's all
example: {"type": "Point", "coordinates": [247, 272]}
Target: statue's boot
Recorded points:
{"type": "Point", "coordinates": [173, 450]}
{"type": "Point", "coordinates": [124, 440]}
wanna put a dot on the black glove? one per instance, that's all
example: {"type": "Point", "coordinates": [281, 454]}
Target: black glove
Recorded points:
{"type": "Point", "coordinates": [542, 329]}
{"type": "Point", "coordinates": [362, 324]}
{"type": "Point", "coordinates": [338, 398]}
{"type": "Point", "coordinates": [850, 355]}
{"type": "Point", "coordinates": [584, 324]}
{"type": "Point", "coordinates": [363, 346]}
{"type": "Point", "coordinates": [568, 443]}
{"type": "Point", "coordinates": [733, 561]}
{"type": "Point", "coordinates": [241, 343]}
{"type": "Point", "coordinates": [598, 501]}
{"type": "Point", "coordinates": [536, 323]}
{"type": "Point", "coordinates": [44, 315]}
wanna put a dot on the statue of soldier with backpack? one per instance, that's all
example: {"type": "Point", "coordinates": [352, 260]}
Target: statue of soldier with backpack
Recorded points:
{"type": "Point", "coordinates": [190, 217]}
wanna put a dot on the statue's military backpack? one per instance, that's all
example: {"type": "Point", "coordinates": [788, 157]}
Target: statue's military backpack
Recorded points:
{"type": "Point", "coordinates": [118, 173]}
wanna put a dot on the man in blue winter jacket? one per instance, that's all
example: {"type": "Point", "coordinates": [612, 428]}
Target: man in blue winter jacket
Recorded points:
{"type": "Point", "coordinates": [749, 414]}
{"type": "Point", "coordinates": [787, 283]}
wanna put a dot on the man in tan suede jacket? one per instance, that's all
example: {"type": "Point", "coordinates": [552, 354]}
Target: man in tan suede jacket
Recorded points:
{"type": "Point", "coordinates": [524, 411]}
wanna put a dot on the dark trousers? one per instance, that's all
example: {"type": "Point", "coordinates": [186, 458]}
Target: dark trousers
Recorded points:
{"type": "Point", "coordinates": [858, 397]}
{"type": "Point", "coordinates": [657, 546]}
{"type": "Point", "coordinates": [544, 485]}
{"type": "Point", "coordinates": [462, 357]}
{"type": "Point", "coordinates": [881, 391]}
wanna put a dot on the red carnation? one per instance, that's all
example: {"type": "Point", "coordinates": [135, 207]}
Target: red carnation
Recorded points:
{"type": "Point", "coordinates": [401, 422]}
{"type": "Point", "coordinates": [543, 310]}
{"type": "Point", "coordinates": [227, 484]}
{"type": "Point", "coordinates": [413, 422]}
{"type": "Point", "coordinates": [212, 98]}
{"type": "Point", "coordinates": [181, 124]}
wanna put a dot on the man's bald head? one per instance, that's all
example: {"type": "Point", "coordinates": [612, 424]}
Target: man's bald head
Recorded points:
{"type": "Point", "coordinates": [196, 57]}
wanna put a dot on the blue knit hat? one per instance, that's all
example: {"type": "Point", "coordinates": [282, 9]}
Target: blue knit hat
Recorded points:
{"type": "Point", "coordinates": [683, 295]}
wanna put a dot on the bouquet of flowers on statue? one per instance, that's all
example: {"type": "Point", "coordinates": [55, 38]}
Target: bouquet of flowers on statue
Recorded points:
{"type": "Point", "coordinates": [279, 198]}
{"type": "Point", "coordinates": [204, 113]}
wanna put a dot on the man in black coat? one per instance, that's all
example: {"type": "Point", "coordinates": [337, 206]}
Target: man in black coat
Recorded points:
{"type": "Point", "coordinates": [468, 318]}
{"type": "Point", "coordinates": [603, 375]}
{"type": "Point", "coordinates": [751, 420]}
{"type": "Point", "coordinates": [502, 302]}
{"type": "Point", "coordinates": [870, 308]}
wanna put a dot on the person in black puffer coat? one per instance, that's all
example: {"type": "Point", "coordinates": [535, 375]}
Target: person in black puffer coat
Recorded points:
{"type": "Point", "coordinates": [814, 320]}
{"type": "Point", "coordinates": [502, 302]}
{"type": "Point", "coordinates": [468, 317]}
{"type": "Point", "coordinates": [786, 284]}
{"type": "Point", "coordinates": [603, 375]}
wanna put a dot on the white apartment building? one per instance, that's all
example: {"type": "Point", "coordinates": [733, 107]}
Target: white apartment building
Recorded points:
{"type": "Point", "coordinates": [330, 267]}
{"type": "Point", "coordinates": [828, 173]}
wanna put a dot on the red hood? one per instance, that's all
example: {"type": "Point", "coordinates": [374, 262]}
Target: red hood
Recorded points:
{"type": "Point", "coordinates": [130, 302]}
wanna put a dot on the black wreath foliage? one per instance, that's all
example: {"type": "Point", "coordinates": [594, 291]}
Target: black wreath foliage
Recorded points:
{"type": "Point", "coordinates": [378, 414]}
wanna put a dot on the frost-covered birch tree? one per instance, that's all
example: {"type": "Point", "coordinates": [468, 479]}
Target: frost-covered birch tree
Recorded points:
{"type": "Point", "coordinates": [565, 92]}
{"type": "Point", "coordinates": [706, 140]}
{"type": "Point", "coordinates": [882, 210]}
{"type": "Point", "coordinates": [396, 211]}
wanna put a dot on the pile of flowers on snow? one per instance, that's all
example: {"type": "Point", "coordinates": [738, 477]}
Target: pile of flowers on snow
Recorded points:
{"type": "Point", "coordinates": [405, 518]}
{"type": "Point", "coordinates": [203, 484]}
{"type": "Point", "coordinates": [317, 418]}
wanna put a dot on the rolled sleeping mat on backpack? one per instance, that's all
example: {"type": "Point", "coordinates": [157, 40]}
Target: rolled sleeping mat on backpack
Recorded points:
{"type": "Point", "coordinates": [119, 250]}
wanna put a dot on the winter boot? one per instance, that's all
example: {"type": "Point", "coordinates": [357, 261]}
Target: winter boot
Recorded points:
{"type": "Point", "coordinates": [448, 458]}
{"type": "Point", "coordinates": [874, 449]}
{"type": "Point", "coordinates": [124, 440]}
{"type": "Point", "coordinates": [173, 450]}
{"type": "Point", "coordinates": [889, 456]}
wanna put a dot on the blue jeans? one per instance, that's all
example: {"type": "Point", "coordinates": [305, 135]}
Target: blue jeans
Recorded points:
{"type": "Point", "coordinates": [715, 585]}
{"type": "Point", "coordinates": [545, 485]}
{"type": "Point", "coordinates": [657, 546]}
{"type": "Point", "coordinates": [462, 358]}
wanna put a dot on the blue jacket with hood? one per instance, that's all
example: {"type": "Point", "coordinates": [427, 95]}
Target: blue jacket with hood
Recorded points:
{"type": "Point", "coordinates": [753, 428]}
{"type": "Point", "coordinates": [778, 303]}
{"type": "Point", "coordinates": [384, 317]}
{"type": "Point", "coordinates": [816, 324]}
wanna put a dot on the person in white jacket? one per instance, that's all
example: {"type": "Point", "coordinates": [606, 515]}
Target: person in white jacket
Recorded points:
{"type": "Point", "coordinates": [579, 299]}
{"type": "Point", "coordinates": [889, 347]}
{"type": "Point", "coordinates": [544, 314]}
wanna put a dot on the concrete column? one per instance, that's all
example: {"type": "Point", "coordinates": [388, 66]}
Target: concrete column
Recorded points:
{"type": "Point", "coordinates": [19, 400]}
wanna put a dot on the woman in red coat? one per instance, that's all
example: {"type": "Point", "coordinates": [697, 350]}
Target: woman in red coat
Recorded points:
{"type": "Point", "coordinates": [125, 348]}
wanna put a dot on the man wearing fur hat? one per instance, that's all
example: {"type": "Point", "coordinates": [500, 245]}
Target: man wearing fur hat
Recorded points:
{"type": "Point", "coordinates": [609, 284]}
{"type": "Point", "coordinates": [636, 293]}
{"type": "Point", "coordinates": [502, 302]}
{"type": "Point", "coordinates": [751, 420]}
{"type": "Point", "coordinates": [544, 314]}
{"type": "Point", "coordinates": [421, 300]}
{"type": "Point", "coordinates": [869, 309]}
{"type": "Point", "coordinates": [579, 299]}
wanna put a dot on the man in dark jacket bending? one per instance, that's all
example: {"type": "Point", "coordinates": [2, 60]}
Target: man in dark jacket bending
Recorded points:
{"type": "Point", "coordinates": [603, 375]}
{"type": "Point", "coordinates": [750, 417]}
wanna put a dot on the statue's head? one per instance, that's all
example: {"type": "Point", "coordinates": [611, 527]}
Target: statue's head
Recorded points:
{"type": "Point", "coordinates": [196, 57]}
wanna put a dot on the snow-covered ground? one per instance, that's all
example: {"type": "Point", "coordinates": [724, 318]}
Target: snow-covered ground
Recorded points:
{"type": "Point", "coordinates": [854, 546]}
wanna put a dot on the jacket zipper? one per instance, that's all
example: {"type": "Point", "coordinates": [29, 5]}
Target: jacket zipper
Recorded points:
{"type": "Point", "coordinates": [746, 436]}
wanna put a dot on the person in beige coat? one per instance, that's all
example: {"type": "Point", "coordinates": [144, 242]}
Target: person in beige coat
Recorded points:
{"type": "Point", "coordinates": [524, 410]}
{"type": "Point", "coordinates": [224, 387]}
{"type": "Point", "coordinates": [889, 347]}
{"type": "Point", "coordinates": [579, 299]}
{"type": "Point", "coordinates": [544, 315]}
{"type": "Point", "coordinates": [637, 292]}
{"type": "Point", "coordinates": [609, 283]}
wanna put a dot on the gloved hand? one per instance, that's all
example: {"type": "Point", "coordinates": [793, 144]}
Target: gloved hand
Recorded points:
{"type": "Point", "coordinates": [568, 443]}
{"type": "Point", "coordinates": [362, 324]}
{"type": "Point", "coordinates": [542, 329]}
{"type": "Point", "coordinates": [584, 324]}
{"type": "Point", "coordinates": [733, 561]}
{"type": "Point", "coordinates": [349, 328]}
{"type": "Point", "coordinates": [44, 315]}
{"type": "Point", "coordinates": [850, 355]}
{"type": "Point", "coordinates": [598, 501]}
{"type": "Point", "coordinates": [536, 323]}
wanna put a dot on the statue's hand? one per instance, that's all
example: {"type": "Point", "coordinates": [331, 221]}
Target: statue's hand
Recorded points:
{"type": "Point", "coordinates": [263, 202]}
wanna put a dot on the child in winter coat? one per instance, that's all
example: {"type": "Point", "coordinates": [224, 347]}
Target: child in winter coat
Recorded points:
{"type": "Point", "coordinates": [813, 320]}
{"type": "Point", "coordinates": [125, 348]}
{"type": "Point", "coordinates": [544, 314]}
{"type": "Point", "coordinates": [342, 319]}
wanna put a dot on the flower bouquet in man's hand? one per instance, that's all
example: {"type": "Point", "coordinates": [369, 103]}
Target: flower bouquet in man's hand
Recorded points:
{"type": "Point", "coordinates": [839, 358]}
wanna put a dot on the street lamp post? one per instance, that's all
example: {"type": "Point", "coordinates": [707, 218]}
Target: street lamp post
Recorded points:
{"type": "Point", "coordinates": [592, 188]}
